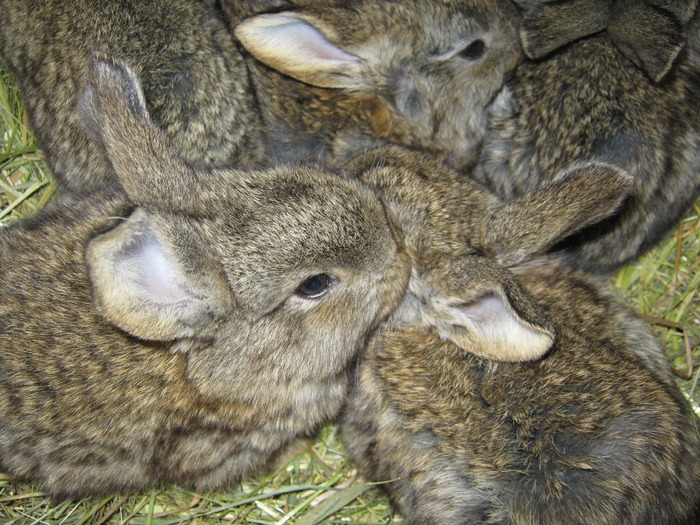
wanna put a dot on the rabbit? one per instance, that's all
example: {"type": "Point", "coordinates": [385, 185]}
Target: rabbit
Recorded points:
{"type": "Point", "coordinates": [337, 78]}
{"type": "Point", "coordinates": [220, 111]}
{"type": "Point", "coordinates": [184, 328]}
{"type": "Point", "coordinates": [587, 102]}
{"type": "Point", "coordinates": [541, 399]}
{"type": "Point", "coordinates": [648, 32]}
{"type": "Point", "coordinates": [196, 83]}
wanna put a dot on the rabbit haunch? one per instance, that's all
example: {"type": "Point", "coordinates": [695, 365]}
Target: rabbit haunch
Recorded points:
{"type": "Point", "coordinates": [182, 336]}
{"type": "Point", "coordinates": [196, 83]}
{"type": "Point", "coordinates": [588, 428]}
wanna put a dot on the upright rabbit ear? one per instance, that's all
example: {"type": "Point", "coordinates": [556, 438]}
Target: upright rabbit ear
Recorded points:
{"type": "Point", "coordinates": [651, 37]}
{"type": "Point", "coordinates": [483, 310]}
{"type": "Point", "coordinates": [581, 196]}
{"type": "Point", "coordinates": [296, 47]}
{"type": "Point", "coordinates": [139, 286]}
{"type": "Point", "coordinates": [114, 111]}
{"type": "Point", "coordinates": [549, 26]}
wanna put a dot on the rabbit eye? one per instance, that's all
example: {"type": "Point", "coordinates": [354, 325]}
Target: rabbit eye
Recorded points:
{"type": "Point", "coordinates": [316, 286]}
{"type": "Point", "coordinates": [473, 50]}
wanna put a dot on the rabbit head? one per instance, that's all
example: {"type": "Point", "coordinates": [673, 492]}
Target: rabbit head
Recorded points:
{"type": "Point", "coordinates": [199, 319]}
{"type": "Point", "coordinates": [462, 239]}
{"type": "Point", "coordinates": [283, 271]}
{"type": "Point", "coordinates": [431, 69]}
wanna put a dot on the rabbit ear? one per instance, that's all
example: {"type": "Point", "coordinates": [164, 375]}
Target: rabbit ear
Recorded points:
{"type": "Point", "coordinates": [492, 316]}
{"type": "Point", "coordinates": [546, 27]}
{"type": "Point", "coordinates": [652, 38]}
{"type": "Point", "coordinates": [581, 196]}
{"type": "Point", "coordinates": [113, 109]}
{"type": "Point", "coordinates": [139, 287]}
{"type": "Point", "coordinates": [294, 46]}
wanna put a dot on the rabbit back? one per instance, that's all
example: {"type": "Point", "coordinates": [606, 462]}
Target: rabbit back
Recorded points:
{"type": "Point", "coordinates": [196, 84]}
{"type": "Point", "coordinates": [589, 102]}
{"type": "Point", "coordinates": [591, 433]}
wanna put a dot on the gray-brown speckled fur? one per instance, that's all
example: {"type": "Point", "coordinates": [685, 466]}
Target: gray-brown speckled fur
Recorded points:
{"type": "Point", "coordinates": [420, 74]}
{"type": "Point", "coordinates": [196, 83]}
{"type": "Point", "coordinates": [410, 71]}
{"type": "Point", "coordinates": [185, 334]}
{"type": "Point", "coordinates": [593, 431]}
{"type": "Point", "coordinates": [588, 101]}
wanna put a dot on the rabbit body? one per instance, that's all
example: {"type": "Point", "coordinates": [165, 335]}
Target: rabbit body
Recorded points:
{"type": "Point", "coordinates": [189, 332]}
{"type": "Point", "coordinates": [195, 80]}
{"type": "Point", "coordinates": [587, 101]}
{"type": "Point", "coordinates": [588, 434]}
{"type": "Point", "coordinates": [592, 431]}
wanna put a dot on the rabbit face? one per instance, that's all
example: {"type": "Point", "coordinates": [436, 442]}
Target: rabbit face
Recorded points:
{"type": "Point", "coordinates": [432, 68]}
{"type": "Point", "coordinates": [246, 271]}
{"type": "Point", "coordinates": [462, 240]}
{"type": "Point", "coordinates": [281, 273]}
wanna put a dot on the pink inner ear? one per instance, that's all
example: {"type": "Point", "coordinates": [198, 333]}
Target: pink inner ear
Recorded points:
{"type": "Point", "coordinates": [155, 273]}
{"type": "Point", "coordinates": [486, 308]}
{"type": "Point", "coordinates": [307, 41]}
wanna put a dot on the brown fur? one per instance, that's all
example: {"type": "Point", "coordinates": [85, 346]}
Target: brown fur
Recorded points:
{"type": "Point", "coordinates": [402, 78]}
{"type": "Point", "coordinates": [651, 33]}
{"type": "Point", "coordinates": [584, 102]}
{"type": "Point", "coordinates": [168, 337]}
{"type": "Point", "coordinates": [196, 83]}
{"type": "Point", "coordinates": [588, 102]}
{"type": "Point", "coordinates": [595, 431]}
{"type": "Point", "coordinates": [410, 89]}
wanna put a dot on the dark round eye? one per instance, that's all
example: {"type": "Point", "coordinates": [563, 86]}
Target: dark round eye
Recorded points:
{"type": "Point", "coordinates": [315, 287]}
{"type": "Point", "coordinates": [473, 50]}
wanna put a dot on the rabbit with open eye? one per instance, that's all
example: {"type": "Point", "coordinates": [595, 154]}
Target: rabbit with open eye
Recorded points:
{"type": "Point", "coordinates": [365, 80]}
{"type": "Point", "coordinates": [510, 387]}
{"type": "Point", "coordinates": [587, 102]}
{"type": "Point", "coordinates": [409, 72]}
{"type": "Point", "coordinates": [194, 78]}
{"type": "Point", "coordinates": [189, 332]}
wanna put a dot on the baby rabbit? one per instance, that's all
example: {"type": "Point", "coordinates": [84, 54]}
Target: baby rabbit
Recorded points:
{"type": "Point", "coordinates": [594, 432]}
{"type": "Point", "coordinates": [413, 83]}
{"type": "Point", "coordinates": [189, 333]}
{"type": "Point", "coordinates": [195, 81]}
{"type": "Point", "coordinates": [585, 102]}
{"type": "Point", "coordinates": [410, 72]}
{"type": "Point", "coordinates": [649, 32]}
